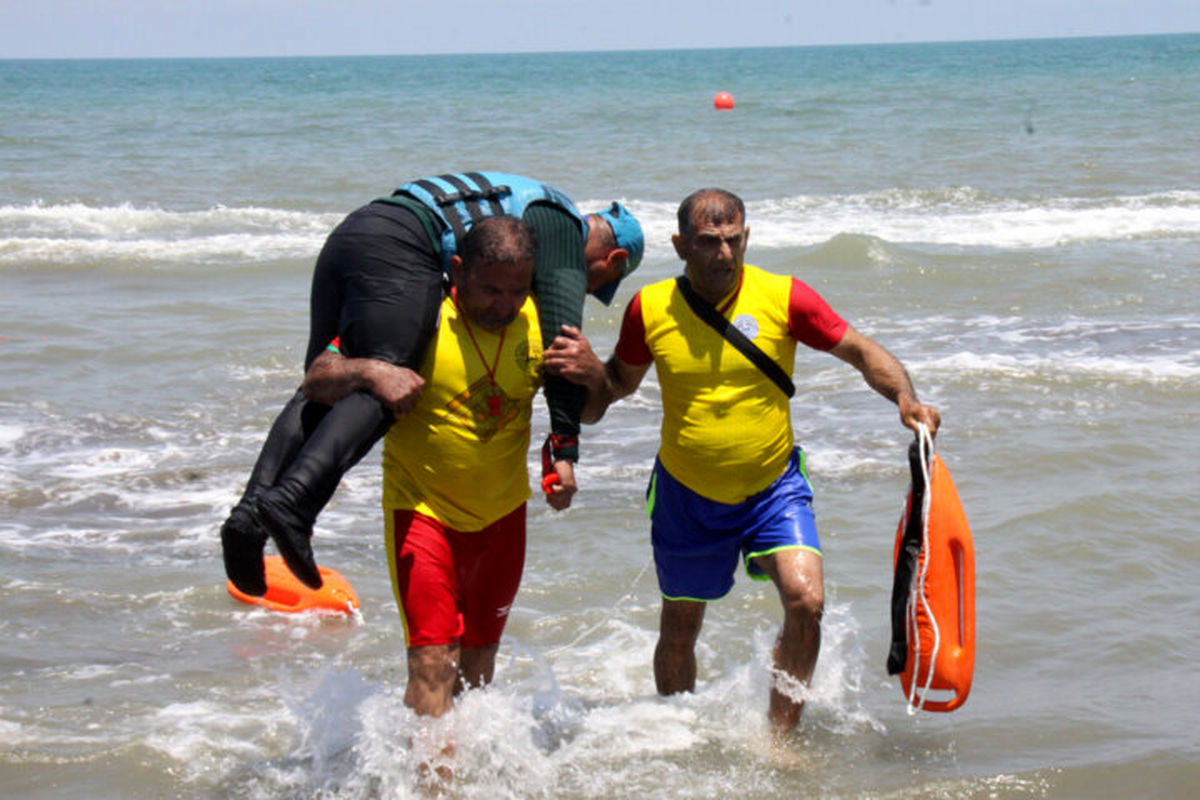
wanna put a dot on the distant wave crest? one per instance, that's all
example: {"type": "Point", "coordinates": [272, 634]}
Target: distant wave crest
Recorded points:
{"type": "Point", "coordinates": [854, 226]}
{"type": "Point", "coordinates": [75, 233]}
{"type": "Point", "coordinates": [966, 217]}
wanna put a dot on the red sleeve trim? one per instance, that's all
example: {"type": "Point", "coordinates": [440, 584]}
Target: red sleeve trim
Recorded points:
{"type": "Point", "coordinates": [811, 320]}
{"type": "Point", "coordinates": [631, 346]}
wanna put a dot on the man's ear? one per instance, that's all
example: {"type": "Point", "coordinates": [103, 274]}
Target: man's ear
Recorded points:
{"type": "Point", "coordinates": [456, 267]}
{"type": "Point", "coordinates": [680, 246]}
{"type": "Point", "coordinates": [618, 255]}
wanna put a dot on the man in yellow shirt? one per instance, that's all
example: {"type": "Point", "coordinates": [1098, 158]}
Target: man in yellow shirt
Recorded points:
{"type": "Point", "coordinates": [729, 479]}
{"type": "Point", "coordinates": [455, 475]}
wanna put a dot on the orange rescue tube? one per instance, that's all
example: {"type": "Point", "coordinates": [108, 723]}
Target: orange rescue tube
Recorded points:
{"type": "Point", "coordinates": [935, 654]}
{"type": "Point", "coordinates": [285, 592]}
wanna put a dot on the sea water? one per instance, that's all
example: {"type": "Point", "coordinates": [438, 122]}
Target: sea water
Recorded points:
{"type": "Point", "coordinates": [1019, 222]}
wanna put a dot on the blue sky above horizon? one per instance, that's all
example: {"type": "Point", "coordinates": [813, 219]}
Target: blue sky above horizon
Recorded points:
{"type": "Point", "coordinates": [219, 28]}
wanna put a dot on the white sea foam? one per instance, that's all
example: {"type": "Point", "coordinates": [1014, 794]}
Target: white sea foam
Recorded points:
{"type": "Point", "coordinates": [828, 463]}
{"type": "Point", "coordinates": [79, 234]}
{"type": "Point", "coordinates": [1077, 327]}
{"type": "Point", "coordinates": [9, 434]}
{"type": "Point", "coordinates": [75, 220]}
{"type": "Point", "coordinates": [214, 248]}
{"type": "Point", "coordinates": [1064, 366]}
{"type": "Point", "coordinates": [964, 217]}
{"type": "Point", "coordinates": [576, 727]}
{"type": "Point", "coordinates": [206, 737]}
{"type": "Point", "coordinates": [103, 462]}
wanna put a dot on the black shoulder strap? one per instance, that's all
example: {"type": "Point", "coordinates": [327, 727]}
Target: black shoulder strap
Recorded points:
{"type": "Point", "coordinates": [906, 564]}
{"type": "Point", "coordinates": [708, 312]}
{"type": "Point", "coordinates": [489, 192]}
{"type": "Point", "coordinates": [446, 203]}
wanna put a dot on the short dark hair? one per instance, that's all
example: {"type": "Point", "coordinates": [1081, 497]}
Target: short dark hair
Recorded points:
{"type": "Point", "coordinates": [717, 205]}
{"type": "Point", "coordinates": [608, 239]}
{"type": "Point", "coordinates": [498, 240]}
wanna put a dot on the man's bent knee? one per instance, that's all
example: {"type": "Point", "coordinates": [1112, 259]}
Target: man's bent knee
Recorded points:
{"type": "Point", "coordinates": [808, 604]}
{"type": "Point", "coordinates": [798, 575]}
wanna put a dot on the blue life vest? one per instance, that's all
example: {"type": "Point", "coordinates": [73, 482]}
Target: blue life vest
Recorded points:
{"type": "Point", "coordinates": [462, 199]}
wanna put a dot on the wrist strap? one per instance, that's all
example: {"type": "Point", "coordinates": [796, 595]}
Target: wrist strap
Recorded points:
{"type": "Point", "coordinates": [563, 447]}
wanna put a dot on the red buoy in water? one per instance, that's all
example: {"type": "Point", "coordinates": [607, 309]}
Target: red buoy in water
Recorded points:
{"type": "Point", "coordinates": [723, 101]}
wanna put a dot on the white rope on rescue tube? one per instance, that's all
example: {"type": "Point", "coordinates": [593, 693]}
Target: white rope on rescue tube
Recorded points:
{"type": "Point", "coordinates": [917, 591]}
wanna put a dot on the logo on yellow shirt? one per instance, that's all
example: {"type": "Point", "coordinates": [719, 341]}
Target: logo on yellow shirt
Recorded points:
{"type": "Point", "coordinates": [747, 324]}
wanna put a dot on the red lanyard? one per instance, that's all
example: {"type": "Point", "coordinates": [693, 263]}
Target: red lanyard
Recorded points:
{"type": "Point", "coordinates": [494, 396]}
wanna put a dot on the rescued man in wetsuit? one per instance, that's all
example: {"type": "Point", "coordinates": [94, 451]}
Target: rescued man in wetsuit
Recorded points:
{"type": "Point", "coordinates": [378, 285]}
{"type": "Point", "coordinates": [729, 481]}
{"type": "Point", "coordinates": [455, 477]}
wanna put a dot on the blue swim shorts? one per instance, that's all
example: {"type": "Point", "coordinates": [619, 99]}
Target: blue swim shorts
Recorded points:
{"type": "Point", "coordinates": [697, 541]}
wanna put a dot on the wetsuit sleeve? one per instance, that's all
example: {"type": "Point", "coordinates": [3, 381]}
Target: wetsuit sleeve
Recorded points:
{"type": "Point", "coordinates": [559, 286]}
{"type": "Point", "coordinates": [631, 345]}
{"type": "Point", "coordinates": [811, 320]}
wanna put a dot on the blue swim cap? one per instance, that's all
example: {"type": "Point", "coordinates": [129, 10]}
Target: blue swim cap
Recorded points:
{"type": "Point", "coordinates": [628, 233]}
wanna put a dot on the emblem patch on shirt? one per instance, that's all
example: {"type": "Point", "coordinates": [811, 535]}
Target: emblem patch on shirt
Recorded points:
{"type": "Point", "coordinates": [747, 324]}
{"type": "Point", "coordinates": [485, 408]}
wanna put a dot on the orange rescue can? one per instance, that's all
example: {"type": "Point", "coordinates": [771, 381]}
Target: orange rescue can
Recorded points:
{"type": "Point", "coordinates": [933, 595]}
{"type": "Point", "coordinates": [286, 593]}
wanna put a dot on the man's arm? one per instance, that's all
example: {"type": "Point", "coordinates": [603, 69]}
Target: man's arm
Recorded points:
{"type": "Point", "coordinates": [885, 374]}
{"type": "Point", "coordinates": [332, 377]}
{"type": "Point", "coordinates": [572, 357]}
{"type": "Point", "coordinates": [620, 380]}
{"type": "Point", "coordinates": [560, 289]}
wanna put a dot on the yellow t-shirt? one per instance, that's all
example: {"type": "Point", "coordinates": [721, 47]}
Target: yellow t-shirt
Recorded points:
{"type": "Point", "coordinates": [726, 428]}
{"type": "Point", "coordinates": [452, 458]}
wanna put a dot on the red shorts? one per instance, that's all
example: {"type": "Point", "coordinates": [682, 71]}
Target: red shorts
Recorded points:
{"type": "Point", "coordinates": [455, 587]}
